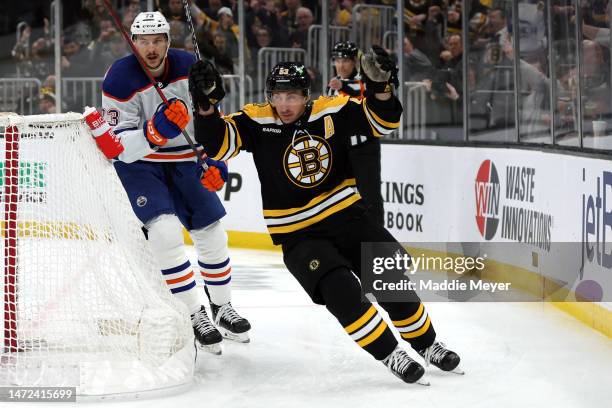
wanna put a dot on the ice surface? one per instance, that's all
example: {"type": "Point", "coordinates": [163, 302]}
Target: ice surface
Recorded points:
{"type": "Point", "coordinates": [514, 355]}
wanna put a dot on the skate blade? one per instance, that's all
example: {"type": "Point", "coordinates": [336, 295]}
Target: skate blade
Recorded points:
{"type": "Point", "coordinates": [237, 337]}
{"type": "Point", "coordinates": [457, 371]}
{"type": "Point", "coordinates": [423, 381]}
{"type": "Point", "coordinates": [211, 348]}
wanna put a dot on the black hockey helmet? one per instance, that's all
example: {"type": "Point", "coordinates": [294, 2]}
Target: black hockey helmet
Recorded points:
{"type": "Point", "coordinates": [288, 76]}
{"type": "Point", "coordinates": [345, 49]}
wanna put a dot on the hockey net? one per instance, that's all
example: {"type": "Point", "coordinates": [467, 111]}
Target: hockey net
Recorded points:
{"type": "Point", "coordinates": [83, 304]}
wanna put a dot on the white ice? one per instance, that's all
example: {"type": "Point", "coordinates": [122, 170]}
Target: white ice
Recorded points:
{"type": "Point", "coordinates": [514, 355]}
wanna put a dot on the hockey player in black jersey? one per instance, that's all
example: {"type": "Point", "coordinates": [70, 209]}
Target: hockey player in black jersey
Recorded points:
{"type": "Point", "coordinates": [310, 204]}
{"type": "Point", "coordinates": [347, 80]}
{"type": "Point", "coordinates": [365, 152]}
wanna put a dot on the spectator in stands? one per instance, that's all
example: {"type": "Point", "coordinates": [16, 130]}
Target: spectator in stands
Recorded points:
{"type": "Point", "coordinates": [35, 59]}
{"type": "Point", "coordinates": [205, 41]}
{"type": "Point", "coordinates": [563, 30]}
{"type": "Point", "coordinates": [598, 34]}
{"type": "Point", "coordinates": [83, 32]}
{"type": "Point", "coordinates": [596, 12]}
{"type": "Point", "coordinates": [174, 11]}
{"type": "Point", "coordinates": [264, 13]}
{"type": "Point", "coordinates": [415, 16]}
{"type": "Point", "coordinates": [417, 65]}
{"type": "Point", "coordinates": [452, 56]}
{"type": "Point", "coordinates": [75, 59]}
{"type": "Point", "coordinates": [453, 18]}
{"type": "Point", "coordinates": [133, 7]}
{"type": "Point", "coordinates": [288, 17]}
{"type": "Point", "coordinates": [222, 58]}
{"type": "Point", "coordinates": [106, 30]}
{"type": "Point", "coordinates": [178, 22]}
{"type": "Point", "coordinates": [497, 26]}
{"type": "Point", "coordinates": [46, 101]}
{"type": "Point", "coordinates": [446, 87]}
{"type": "Point", "coordinates": [40, 63]}
{"type": "Point", "coordinates": [21, 49]}
{"type": "Point", "coordinates": [345, 16]}
{"type": "Point", "coordinates": [178, 31]}
{"type": "Point", "coordinates": [304, 18]}
{"type": "Point", "coordinates": [334, 12]}
{"type": "Point", "coordinates": [97, 11]}
{"type": "Point", "coordinates": [433, 31]}
{"type": "Point", "coordinates": [229, 31]}
{"type": "Point", "coordinates": [103, 57]}
{"type": "Point", "coordinates": [128, 20]}
{"type": "Point", "coordinates": [213, 9]}
{"type": "Point", "coordinates": [596, 81]}
{"type": "Point", "coordinates": [252, 20]}
{"type": "Point", "coordinates": [264, 38]}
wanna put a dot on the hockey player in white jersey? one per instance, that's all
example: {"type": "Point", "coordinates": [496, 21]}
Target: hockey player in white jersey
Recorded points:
{"type": "Point", "coordinates": [159, 172]}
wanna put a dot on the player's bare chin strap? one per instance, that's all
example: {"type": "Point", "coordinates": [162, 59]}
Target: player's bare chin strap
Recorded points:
{"type": "Point", "coordinates": [341, 292]}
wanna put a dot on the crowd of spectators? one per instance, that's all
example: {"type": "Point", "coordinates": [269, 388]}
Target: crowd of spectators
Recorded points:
{"type": "Point", "coordinates": [433, 56]}
{"type": "Point", "coordinates": [433, 50]}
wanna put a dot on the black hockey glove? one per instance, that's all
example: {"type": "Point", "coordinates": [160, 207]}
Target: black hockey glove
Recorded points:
{"type": "Point", "coordinates": [205, 85]}
{"type": "Point", "coordinates": [378, 70]}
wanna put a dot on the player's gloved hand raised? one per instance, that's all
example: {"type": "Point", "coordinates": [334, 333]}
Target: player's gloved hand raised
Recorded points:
{"type": "Point", "coordinates": [205, 85]}
{"type": "Point", "coordinates": [378, 70]}
{"type": "Point", "coordinates": [215, 176]}
{"type": "Point", "coordinates": [167, 123]}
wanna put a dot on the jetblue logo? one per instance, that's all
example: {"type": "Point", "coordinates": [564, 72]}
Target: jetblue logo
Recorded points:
{"type": "Point", "coordinates": [596, 222]}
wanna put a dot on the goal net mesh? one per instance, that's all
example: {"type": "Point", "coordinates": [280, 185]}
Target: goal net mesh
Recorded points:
{"type": "Point", "coordinates": [84, 305]}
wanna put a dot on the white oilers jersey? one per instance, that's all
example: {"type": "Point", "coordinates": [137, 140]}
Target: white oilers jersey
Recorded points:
{"type": "Point", "coordinates": [129, 100]}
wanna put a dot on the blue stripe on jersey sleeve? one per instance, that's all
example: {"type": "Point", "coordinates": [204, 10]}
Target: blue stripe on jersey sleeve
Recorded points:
{"type": "Point", "coordinates": [175, 148]}
{"type": "Point", "coordinates": [118, 132]}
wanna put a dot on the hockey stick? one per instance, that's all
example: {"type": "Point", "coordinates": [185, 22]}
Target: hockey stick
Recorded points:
{"type": "Point", "coordinates": [194, 40]}
{"type": "Point", "coordinates": [191, 27]}
{"type": "Point", "coordinates": [143, 65]}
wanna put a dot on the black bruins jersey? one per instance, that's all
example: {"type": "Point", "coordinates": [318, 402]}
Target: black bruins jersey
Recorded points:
{"type": "Point", "coordinates": [303, 167]}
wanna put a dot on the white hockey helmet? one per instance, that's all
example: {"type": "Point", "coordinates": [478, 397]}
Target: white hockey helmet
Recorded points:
{"type": "Point", "coordinates": [150, 22]}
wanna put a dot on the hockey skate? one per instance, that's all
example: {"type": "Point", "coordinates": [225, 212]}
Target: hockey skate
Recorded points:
{"type": "Point", "coordinates": [207, 336]}
{"type": "Point", "coordinates": [231, 325]}
{"type": "Point", "coordinates": [404, 367]}
{"type": "Point", "coordinates": [438, 355]}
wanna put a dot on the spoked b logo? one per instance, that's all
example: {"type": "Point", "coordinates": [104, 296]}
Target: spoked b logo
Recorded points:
{"type": "Point", "coordinates": [308, 161]}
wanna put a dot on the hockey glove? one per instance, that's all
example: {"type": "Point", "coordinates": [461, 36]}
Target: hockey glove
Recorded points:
{"type": "Point", "coordinates": [167, 123]}
{"type": "Point", "coordinates": [105, 137]}
{"type": "Point", "coordinates": [205, 85]}
{"type": "Point", "coordinates": [378, 70]}
{"type": "Point", "coordinates": [215, 177]}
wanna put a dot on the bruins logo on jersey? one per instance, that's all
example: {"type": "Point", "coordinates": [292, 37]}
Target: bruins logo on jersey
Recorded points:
{"type": "Point", "coordinates": [308, 161]}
